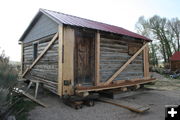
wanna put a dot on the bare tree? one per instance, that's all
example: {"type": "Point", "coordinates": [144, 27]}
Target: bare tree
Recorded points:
{"type": "Point", "coordinates": [174, 29]}
{"type": "Point", "coordinates": [167, 32]}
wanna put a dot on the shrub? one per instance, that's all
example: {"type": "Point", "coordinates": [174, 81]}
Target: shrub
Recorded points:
{"type": "Point", "coordinates": [8, 73]}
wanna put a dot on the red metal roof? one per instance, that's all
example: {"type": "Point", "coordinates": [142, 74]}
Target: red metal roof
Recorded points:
{"type": "Point", "coordinates": [81, 22]}
{"type": "Point", "coordinates": [175, 56]}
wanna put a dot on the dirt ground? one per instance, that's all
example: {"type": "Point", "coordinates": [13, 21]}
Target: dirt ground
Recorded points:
{"type": "Point", "coordinates": [164, 92]}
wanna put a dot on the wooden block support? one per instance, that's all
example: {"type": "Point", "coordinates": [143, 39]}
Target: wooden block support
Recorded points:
{"type": "Point", "coordinates": [97, 59]}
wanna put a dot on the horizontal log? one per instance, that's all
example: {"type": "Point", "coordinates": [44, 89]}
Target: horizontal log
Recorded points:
{"type": "Point", "coordinates": [134, 67]}
{"type": "Point", "coordinates": [42, 62]}
{"type": "Point", "coordinates": [50, 87]}
{"type": "Point", "coordinates": [45, 57]}
{"type": "Point", "coordinates": [44, 76]}
{"type": "Point", "coordinates": [125, 73]}
{"type": "Point", "coordinates": [116, 46]}
{"type": "Point", "coordinates": [28, 47]}
{"type": "Point", "coordinates": [52, 90]}
{"type": "Point", "coordinates": [113, 41]}
{"type": "Point", "coordinates": [40, 47]}
{"type": "Point", "coordinates": [120, 77]}
{"type": "Point", "coordinates": [48, 56]}
{"type": "Point", "coordinates": [28, 51]}
{"type": "Point", "coordinates": [43, 80]}
{"type": "Point", "coordinates": [126, 57]}
{"type": "Point", "coordinates": [106, 69]}
{"type": "Point", "coordinates": [53, 71]}
{"type": "Point", "coordinates": [47, 42]}
{"type": "Point", "coordinates": [113, 50]}
{"type": "Point", "coordinates": [53, 66]}
{"type": "Point", "coordinates": [111, 54]}
{"type": "Point", "coordinates": [118, 62]}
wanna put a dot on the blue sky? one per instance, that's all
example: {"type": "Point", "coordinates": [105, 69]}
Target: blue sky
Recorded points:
{"type": "Point", "coordinates": [17, 14]}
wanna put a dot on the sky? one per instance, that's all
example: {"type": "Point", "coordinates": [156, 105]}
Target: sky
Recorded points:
{"type": "Point", "coordinates": [17, 14]}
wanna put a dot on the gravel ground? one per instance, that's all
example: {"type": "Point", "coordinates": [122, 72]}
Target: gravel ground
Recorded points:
{"type": "Point", "coordinates": [164, 83]}
{"type": "Point", "coordinates": [156, 99]}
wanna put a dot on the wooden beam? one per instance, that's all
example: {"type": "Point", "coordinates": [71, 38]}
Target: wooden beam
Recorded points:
{"type": "Point", "coordinates": [43, 52]}
{"type": "Point", "coordinates": [125, 65]}
{"type": "Point", "coordinates": [68, 64]}
{"type": "Point", "coordinates": [34, 99]}
{"type": "Point", "coordinates": [97, 58]}
{"type": "Point", "coordinates": [22, 58]}
{"type": "Point", "coordinates": [114, 85]}
{"type": "Point", "coordinates": [127, 105]}
{"type": "Point", "coordinates": [60, 57]}
{"type": "Point", "coordinates": [146, 62]}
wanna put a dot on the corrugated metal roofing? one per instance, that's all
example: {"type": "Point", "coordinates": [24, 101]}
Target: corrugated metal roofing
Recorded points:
{"type": "Point", "coordinates": [81, 22]}
{"type": "Point", "coordinates": [175, 56]}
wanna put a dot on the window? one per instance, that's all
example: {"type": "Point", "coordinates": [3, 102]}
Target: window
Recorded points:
{"type": "Point", "coordinates": [35, 50]}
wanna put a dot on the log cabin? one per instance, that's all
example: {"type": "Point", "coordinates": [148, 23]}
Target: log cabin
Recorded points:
{"type": "Point", "coordinates": [70, 55]}
{"type": "Point", "coordinates": [175, 61]}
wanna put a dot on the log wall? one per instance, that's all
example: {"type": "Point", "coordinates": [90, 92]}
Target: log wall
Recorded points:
{"type": "Point", "coordinates": [114, 53]}
{"type": "Point", "coordinates": [46, 70]}
{"type": "Point", "coordinates": [175, 65]}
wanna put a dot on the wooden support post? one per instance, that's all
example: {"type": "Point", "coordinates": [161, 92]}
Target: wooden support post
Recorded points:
{"type": "Point", "coordinates": [29, 86]}
{"type": "Point", "coordinates": [40, 56]}
{"type": "Point", "coordinates": [36, 90]}
{"type": "Point", "coordinates": [68, 64]}
{"type": "Point", "coordinates": [125, 65]}
{"type": "Point", "coordinates": [97, 58]}
{"type": "Point", "coordinates": [22, 58]}
{"type": "Point", "coordinates": [146, 62]}
{"type": "Point", "coordinates": [60, 57]}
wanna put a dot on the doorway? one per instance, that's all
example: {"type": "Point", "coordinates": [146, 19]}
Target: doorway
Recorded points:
{"type": "Point", "coordinates": [84, 58]}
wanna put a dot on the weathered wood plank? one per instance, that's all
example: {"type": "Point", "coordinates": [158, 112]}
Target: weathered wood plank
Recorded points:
{"type": "Point", "coordinates": [22, 58]}
{"type": "Point", "coordinates": [146, 62]}
{"type": "Point", "coordinates": [97, 59]}
{"type": "Point", "coordinates": [124, 104]}
{"type": "Point", "coordinates": [68, 64]}
{"type": "Point", "coordinates": [60, 54]}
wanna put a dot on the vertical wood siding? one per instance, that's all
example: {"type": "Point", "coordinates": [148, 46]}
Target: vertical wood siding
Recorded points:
{"type": "Point", "coordinates": [44, 27]}
{"type": "Point", "coordinates": [113, 54]}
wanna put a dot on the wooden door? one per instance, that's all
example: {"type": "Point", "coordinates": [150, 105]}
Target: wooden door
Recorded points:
{"type": "Point", "coordinates": [84, 58]}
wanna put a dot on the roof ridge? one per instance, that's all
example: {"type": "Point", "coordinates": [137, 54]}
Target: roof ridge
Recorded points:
{"type": "Point", "coordinates": [83, 18]}
{"type": "Point", "coordinates": [95, 24]}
